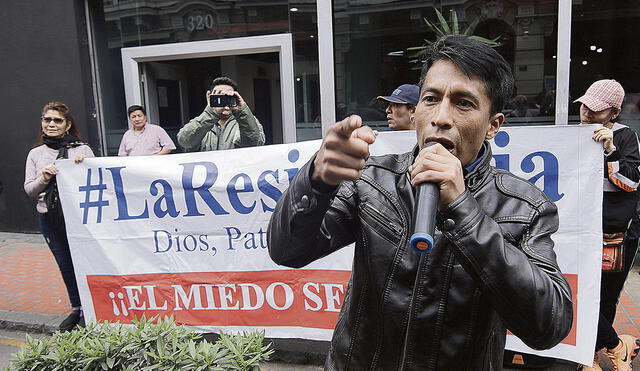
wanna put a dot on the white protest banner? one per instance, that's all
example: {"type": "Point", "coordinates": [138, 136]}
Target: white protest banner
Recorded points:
{"type": "Point", "coordinates": [185, 234]}
{"type": "Point", "coordinates": [566, 163]}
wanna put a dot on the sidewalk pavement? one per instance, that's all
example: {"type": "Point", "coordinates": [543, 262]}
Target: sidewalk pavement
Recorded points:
{"type": "Point", "coordinates": [33, 297]}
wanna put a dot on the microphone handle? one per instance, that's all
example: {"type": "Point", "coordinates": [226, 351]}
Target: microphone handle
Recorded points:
{"type": "Point", "coordinates": [424, 221]}
{"type": "Point", "coordinates": [427, 195]}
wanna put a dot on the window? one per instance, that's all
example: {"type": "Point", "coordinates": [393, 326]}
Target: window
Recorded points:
{"type": "Point", "coordinates": [118, 24]}
{"type": "Point", "coordinates": [371, 53]}
{"type": "Point", "coordinates": [603, 46]}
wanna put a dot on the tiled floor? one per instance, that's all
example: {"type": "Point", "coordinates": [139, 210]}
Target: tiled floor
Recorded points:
{"type": "Point", "coordinates": [29, 277]}
{"type": "Point", "coordinates": [627, 317]}
{"type": "Point", "coordinates": [30, 280]}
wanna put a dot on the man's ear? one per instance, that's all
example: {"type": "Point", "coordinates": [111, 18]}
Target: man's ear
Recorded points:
{"type": "Point", "coordinates": [494, 125]}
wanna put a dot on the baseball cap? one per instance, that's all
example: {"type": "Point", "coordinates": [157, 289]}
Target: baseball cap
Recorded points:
{"type": "Point", "coordinates": [603, 94]}
{"type": "Point", "coordinates": [406, 93]}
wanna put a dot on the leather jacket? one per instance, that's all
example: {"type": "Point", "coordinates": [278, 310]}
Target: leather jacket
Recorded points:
{"type": "Point", "coordinates": [492, 267]}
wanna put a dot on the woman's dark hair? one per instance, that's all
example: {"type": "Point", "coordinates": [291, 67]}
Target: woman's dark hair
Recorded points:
{"type": "Point", "coordinates": [223, 80]}
{"type": "Point", "coordinates": [134, 108]}
{"type": "Point", "coordinates": [64, 110]}
{"type": "Point", "coordinates": [475, 59]}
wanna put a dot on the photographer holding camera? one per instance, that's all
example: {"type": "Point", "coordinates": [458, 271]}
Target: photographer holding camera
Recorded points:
{"type": "Point", "coordinates": [226, 122]}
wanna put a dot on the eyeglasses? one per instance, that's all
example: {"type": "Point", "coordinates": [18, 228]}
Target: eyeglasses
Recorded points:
{"type": "Point", "coordinates": [57, 120]}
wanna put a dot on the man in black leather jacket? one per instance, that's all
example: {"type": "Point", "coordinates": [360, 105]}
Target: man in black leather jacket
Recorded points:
{"type": "Point", "coordinates": [493, 266]}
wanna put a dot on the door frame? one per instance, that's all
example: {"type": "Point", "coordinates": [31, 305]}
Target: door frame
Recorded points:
{"type": "Point", "coordinates": [280, 43]}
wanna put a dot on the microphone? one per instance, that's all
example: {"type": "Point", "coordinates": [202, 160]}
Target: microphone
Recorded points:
{"type": "Point", "coordinates": [424, 221]}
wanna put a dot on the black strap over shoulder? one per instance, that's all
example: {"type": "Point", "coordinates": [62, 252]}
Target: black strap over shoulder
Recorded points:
{"type": "Point", "coordinates": [51, 194]}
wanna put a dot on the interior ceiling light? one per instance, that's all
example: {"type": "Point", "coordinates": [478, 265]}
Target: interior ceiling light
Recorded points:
{"type": "Point", "coordinates": [294, 9]}
{"type": "Point", "coordinates": [599, 50]}
{"type": "Point", "coordinates": [584, 63]}
{"type": "Point", "coordinates": [592, 47]}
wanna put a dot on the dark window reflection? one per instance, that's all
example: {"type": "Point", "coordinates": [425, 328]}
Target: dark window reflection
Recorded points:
{"type": "Point", "coordinates": [371, 57]}
{"type": "Point", "coordinates": [603, 46]}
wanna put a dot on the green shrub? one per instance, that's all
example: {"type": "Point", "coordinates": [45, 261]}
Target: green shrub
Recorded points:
{"type": "Point", "coordinates": [142, 346]}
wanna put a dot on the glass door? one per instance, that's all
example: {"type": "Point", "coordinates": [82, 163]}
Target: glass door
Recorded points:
{"type": "Point", "coordinates": [172, 80]}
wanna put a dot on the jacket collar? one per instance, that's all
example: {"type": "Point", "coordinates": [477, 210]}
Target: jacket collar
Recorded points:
{"type": "Point", "coordinates": [474, 178]}
{"type": "Point", "coordinates": [478, 160]}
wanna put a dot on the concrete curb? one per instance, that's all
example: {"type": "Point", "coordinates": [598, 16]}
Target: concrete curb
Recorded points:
{"type": "Point", "coordinates": [30, 322]}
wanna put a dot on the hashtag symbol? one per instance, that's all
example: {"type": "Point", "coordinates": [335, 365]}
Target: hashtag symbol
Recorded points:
{"type": "Point", "coordinates": [87, 189]}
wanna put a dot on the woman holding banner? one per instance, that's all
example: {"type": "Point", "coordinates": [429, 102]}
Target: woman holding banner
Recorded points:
{"type": "Point", "coordinates": [58, 139]}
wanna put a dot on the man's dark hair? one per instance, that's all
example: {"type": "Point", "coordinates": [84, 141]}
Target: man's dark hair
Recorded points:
{"type": "Point", "coordinates": [134, 108]}
{"type": "Point", "coordinates": [474, 58]}
{"type": "Point", "coordinates": [223, 80]}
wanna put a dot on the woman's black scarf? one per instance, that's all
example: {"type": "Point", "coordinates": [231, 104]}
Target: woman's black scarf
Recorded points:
{"type": "Point", "coordinates": [62, 144]}
{"type": "Point", "coordinates": [51, 198]}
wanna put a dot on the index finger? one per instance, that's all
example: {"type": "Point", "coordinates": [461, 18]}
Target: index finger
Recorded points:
{"type": "Point", "coordinates": [434, 147]}
{"type": "Point", "coordinates": [365, 133]}
{"type": "Point", "coordinates": [348, 125]}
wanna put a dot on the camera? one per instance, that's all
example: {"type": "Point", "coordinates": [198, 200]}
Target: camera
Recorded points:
{"type": "Point", "coordinates": [222, 100]}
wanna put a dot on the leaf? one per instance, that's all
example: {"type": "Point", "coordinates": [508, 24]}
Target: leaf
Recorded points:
{"type": "Point", "coordinates": [443, 22]}
{"type": "Point", "coordinates": [434, 28]}
{"type": "Point", "coordinates": [254, 361]}
{"type": "Point", "coordinates": [489, 42]}
{"type": "Point", "coordinates": [152, 367]}
{"type": "Point", "coordinates": [454, 22]}
{"type": "Point", "coordinates": [472, 27]}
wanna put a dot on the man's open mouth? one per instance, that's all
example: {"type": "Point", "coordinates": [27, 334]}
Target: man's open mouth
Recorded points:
{"type": "Point", "coordinates": [446, 143]}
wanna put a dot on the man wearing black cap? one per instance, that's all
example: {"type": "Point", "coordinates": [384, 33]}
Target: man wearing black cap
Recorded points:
{"type": "Point", "coordinates": [402, 105]}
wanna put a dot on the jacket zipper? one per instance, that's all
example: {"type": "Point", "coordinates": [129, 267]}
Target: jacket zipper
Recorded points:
{"type": "Point", "coordinates": [411, 305]}
{"type": "Point", "coordinates": [377, 215]}
{"type": "Point", "coordinates": [440, 313]}
{"type": "Point", "coordinates": [403, 241]}
{"type": "Point", "coordinates": [365, 290]}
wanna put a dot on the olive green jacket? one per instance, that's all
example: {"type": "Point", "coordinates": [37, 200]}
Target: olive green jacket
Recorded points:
{"type": "Point", "coordinates": [203, 133]}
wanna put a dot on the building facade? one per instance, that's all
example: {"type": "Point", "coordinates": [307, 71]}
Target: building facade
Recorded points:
{"type": "Point", "coordinates": [300, 65]}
